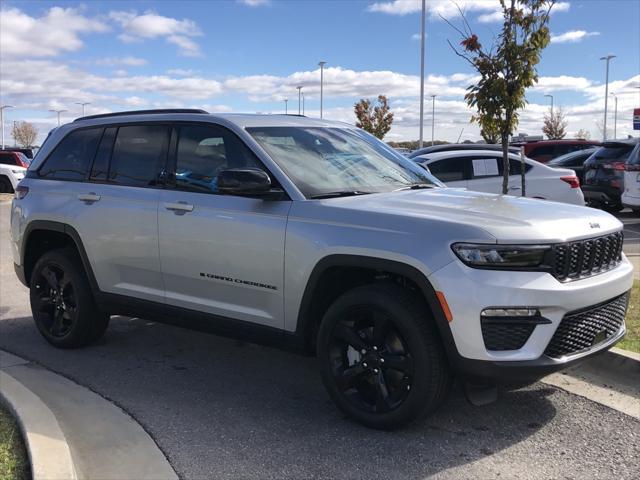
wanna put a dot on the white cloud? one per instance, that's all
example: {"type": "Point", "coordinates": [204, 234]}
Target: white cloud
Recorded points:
{"type": "Point", "coordinates": [562, 82]}
{"type": "Point", "coordinates": [254, 3]}
{"type": "Point", "coordinates": [129, 61]}
{"type": "Point", "coordinates": [58, 30]}
{"type": "Point", "coordinates": [150, 25]}
{"type": "Point", "coordinates": [493, 17]}
{"type": "Point", "coordinates": [572, 36]}
{"type": "Point", "coordinates": [449, 8]}
{"type": "Point", "coordinates": [182, 72]}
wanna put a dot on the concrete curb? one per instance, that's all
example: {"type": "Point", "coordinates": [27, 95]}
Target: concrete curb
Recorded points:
{"type": "Point", "coordinates": [49, 453]}
{"type": "Point", "coordinates": [93, 438]}
{"type": "Point", "coordinates": [611, 379]}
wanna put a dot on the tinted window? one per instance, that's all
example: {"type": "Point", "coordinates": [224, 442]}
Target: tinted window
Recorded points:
{"type": "Point", "coordinates": [7, 159]}
{"type": "Point", "coordinates": [70, 160]}
{"type": "Point", "coordinates": [618, 153]}
{"type": "Point", "coordinates": [450, 169]}
{"type": "Point", "coordinates": [139, 153]}
{"type": "Point", "coordinates": [203, 152]}
{"type": "Point", "coordinates": [100, 168]}
{"type": "Point", "coordinates": [540, 151]}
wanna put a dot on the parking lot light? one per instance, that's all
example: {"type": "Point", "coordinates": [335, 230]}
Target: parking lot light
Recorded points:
{"type": "Point", "coordinates": [606, 95]}
{"type": "Point", "coordinates": [2, 107]}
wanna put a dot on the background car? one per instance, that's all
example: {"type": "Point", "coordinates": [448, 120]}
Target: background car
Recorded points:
{"type": "Point", "coordinates": [10, 176]}
{"type": "Point", "coordinates": [29, 152]}
{"type": "Point", "coordinates": [604, 174]}
{"type": "Point", "coordinates": [631, 195]}
{"type": "Point", "coordinates": [12, 157]}
{"type": "Point", "coordinates": [574, 161]}
{"type": "Point", "coordinates": [481, 170]}
{"type": "Point", "coordinates": [545, 150]}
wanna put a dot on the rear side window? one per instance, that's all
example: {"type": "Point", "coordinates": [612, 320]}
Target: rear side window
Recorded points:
{"type": "Point", "coordinates": [618, 153]}
{"type": "Point", "coordinates": [139, 153]}
{"type": "Point", "coordinates": [634, 157]}
{"type": "Point", "coordinates": [7, 159]}
{"type": "Point", "coordinates": [71, 158]}
{"type": "Point", "coordinates": [450, 169]}
{"type": "Point", "coordinates": [100, 168]}
{"type": "Point", "coordinates": [542, 150]}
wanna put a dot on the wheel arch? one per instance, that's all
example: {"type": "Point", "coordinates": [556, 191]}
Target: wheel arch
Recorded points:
{"type": "Point", "coordinates": [334, 274]}
{"type": "Point", "coordinates": [43, 235]}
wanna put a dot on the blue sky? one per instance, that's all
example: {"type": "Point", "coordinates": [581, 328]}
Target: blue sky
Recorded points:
{"type": "Point", "coordinates": [249, 55]}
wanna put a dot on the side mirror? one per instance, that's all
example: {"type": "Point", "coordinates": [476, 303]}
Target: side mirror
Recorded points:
{"type": "Point", "coordinates": [244, 181]}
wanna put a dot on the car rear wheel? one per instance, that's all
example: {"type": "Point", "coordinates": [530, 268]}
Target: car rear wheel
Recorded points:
{"type": "Point", "coordinates": [5, 185]}
{"type": "Point", "coordinates": [382, 361]}
{"type": "Point", "coordinates": [62, 303]}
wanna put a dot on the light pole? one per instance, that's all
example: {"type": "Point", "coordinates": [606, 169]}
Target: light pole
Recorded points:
{"type": "Point", "coordinates": [83, 104]}
{"type": "Point", "coordinates": [58, 112]}
{"type": "Point", "coordinates": [615, 116]}
{"type": "Point", "coordinates": [433, 118]}
{"type": "Point", "coordinates": [322, 64]}
{"type": "Point", "coordinates": [299, 87]}
{"type": "Point", "coordinates": [551, 97]}
{"type": "Point", "coordinates": [302, 103]}
{"type": "Point", "coordinates": [2, 107]}
{"type": "Point", "coordinates": [13, 132]}
{"type": "Point", "coordinates": [422, 20]}
{"type": "Point", "coordinates": [606, 95]}
{"type": "Point", "coordinates": [286, 110]}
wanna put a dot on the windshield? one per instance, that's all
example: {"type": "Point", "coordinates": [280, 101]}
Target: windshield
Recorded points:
{"type": "Point", "coordinates": [24, 158]}
{"type": "Point", "coordinates": [614, 152]}
{"type": "Point", "coordinates": [322, 160]}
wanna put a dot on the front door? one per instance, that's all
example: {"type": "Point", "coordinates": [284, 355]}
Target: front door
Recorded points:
{"type": "Point", "coordinates": [220, 254]}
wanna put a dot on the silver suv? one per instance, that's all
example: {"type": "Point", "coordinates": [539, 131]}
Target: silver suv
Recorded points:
{"type": "Point", "coordinates": [316, 236]}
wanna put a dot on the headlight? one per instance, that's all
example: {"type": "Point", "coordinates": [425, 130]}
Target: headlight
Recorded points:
{"type": "Point", "coordinates": [501, 256]}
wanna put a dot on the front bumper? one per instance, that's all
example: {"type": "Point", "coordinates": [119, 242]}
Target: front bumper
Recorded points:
{"type": "Point", "coordinates": [468, 291]}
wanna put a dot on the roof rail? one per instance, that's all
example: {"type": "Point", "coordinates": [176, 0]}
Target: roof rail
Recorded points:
{"type": "Point", "coordinates": [143, 112]}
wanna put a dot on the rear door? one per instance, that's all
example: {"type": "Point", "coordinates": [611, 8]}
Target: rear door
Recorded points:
{"type": "Point", "coordinates": [485, 174]}
{"type": "Point", "coordinates": [221, 254]}
{"type": "Point", "coordinates": [632, 174]}
{"type": "Point", "coordinates": [117, 210]}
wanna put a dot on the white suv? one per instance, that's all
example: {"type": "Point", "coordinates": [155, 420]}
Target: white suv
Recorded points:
{"type": "Point", "coordinates": [631, 195]}
{"type": "Point", "coordinates": [316, 236]}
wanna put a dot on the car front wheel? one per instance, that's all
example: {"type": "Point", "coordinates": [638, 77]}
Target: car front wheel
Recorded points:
{"type": "Point", "coordinates": [382, 361]}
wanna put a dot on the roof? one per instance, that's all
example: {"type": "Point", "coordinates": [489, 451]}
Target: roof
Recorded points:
{"type": "Point", "coordinates": [461, 153]}
{"type": "Point", "coordinates": [446, 147]}
{"type": "Point", "coordinates": [240, 119]}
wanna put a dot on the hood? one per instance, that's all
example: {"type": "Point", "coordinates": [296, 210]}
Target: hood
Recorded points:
{"type": "Point", "coordinates": [508, 219]}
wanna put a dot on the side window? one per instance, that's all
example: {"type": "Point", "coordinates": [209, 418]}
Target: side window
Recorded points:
{"type": "Point", "coordinates": [542, 151]}
{"type": "Point", "coordinates": [450, 169]}
{"type": "Point", "coordinates": [486, 167]}
{"type": "Point", "coordinates": [70, 160]}
{"type": "Point", "coordinates": [7, 159]}
{"type": "Point", "coordinates": [100, 168]}
{"type": "Point", "coordinates": [515, 167]}
{"type": "Point", "coordinates": [139, 153]}
{"type": "Point", "coordinates": [203, 152]}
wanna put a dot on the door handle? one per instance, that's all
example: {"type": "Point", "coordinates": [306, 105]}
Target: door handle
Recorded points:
{"type": "Point", "coordinates": [514, 188]}
{"type": "Point", "coordinates": [90, 197]}
{"type": "Point", "coordinates": [179, 207]}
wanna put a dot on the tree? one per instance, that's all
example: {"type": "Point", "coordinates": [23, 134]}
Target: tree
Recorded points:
{"type": "Point", "coordinates": [555, 125]}
{"type": "Point", "coordinates": [583, 134]}
{"type": "Point", "coordinates": [507, 68]}
{"type": "Point", "coordinates": [24, 133]}
{"type": "Point", "coordinates": [375, 120]}
{"type": "Point", "coordinates": [490, 135]}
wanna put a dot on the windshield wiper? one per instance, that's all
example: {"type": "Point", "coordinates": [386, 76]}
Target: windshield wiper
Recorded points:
{"type": "Point", "coordinates": [342, 193]}
{"type": "Point", "coordinates": [416, 186]}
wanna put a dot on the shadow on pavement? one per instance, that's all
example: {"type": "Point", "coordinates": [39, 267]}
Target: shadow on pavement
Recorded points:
{"type": "Point", "coordinates": [219, 407]}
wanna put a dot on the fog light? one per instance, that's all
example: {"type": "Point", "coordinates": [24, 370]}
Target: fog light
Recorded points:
{"type": "Point", "coordinates": [510, 312]}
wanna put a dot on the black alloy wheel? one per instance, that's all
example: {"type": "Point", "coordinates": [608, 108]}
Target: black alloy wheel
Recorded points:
{"type": "Point", "coordinates": [370, 360]}
{"type": "Point", "coordinates": [55, 300]}
{"type": "Point", "coordinates": [62, 302]}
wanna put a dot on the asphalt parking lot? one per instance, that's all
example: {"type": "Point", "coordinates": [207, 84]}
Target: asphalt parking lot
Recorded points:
{"type": "Point", "coordinates": [219, 408]}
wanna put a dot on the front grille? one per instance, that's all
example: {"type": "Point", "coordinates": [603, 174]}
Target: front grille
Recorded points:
{"type": "Point", "coordinates": [503, 335]}
{"type": "Point", "coordinates": [584, 258]}
{"type": "Point", "coordinates": [582, 330]}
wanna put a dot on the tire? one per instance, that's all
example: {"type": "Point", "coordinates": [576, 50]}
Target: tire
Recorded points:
{"type": "Point", "coordinates": [612, 208]}
{"type": "Point", "coordinates": [403, 373]}
{"type": "Point", "coordinates": [5, 185]}
{"type": "Point", "coordinates": [62, 304]}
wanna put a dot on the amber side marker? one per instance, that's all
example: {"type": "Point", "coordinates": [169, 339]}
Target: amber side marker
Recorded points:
{"type": "Point", "coordinates": [445, 306]}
